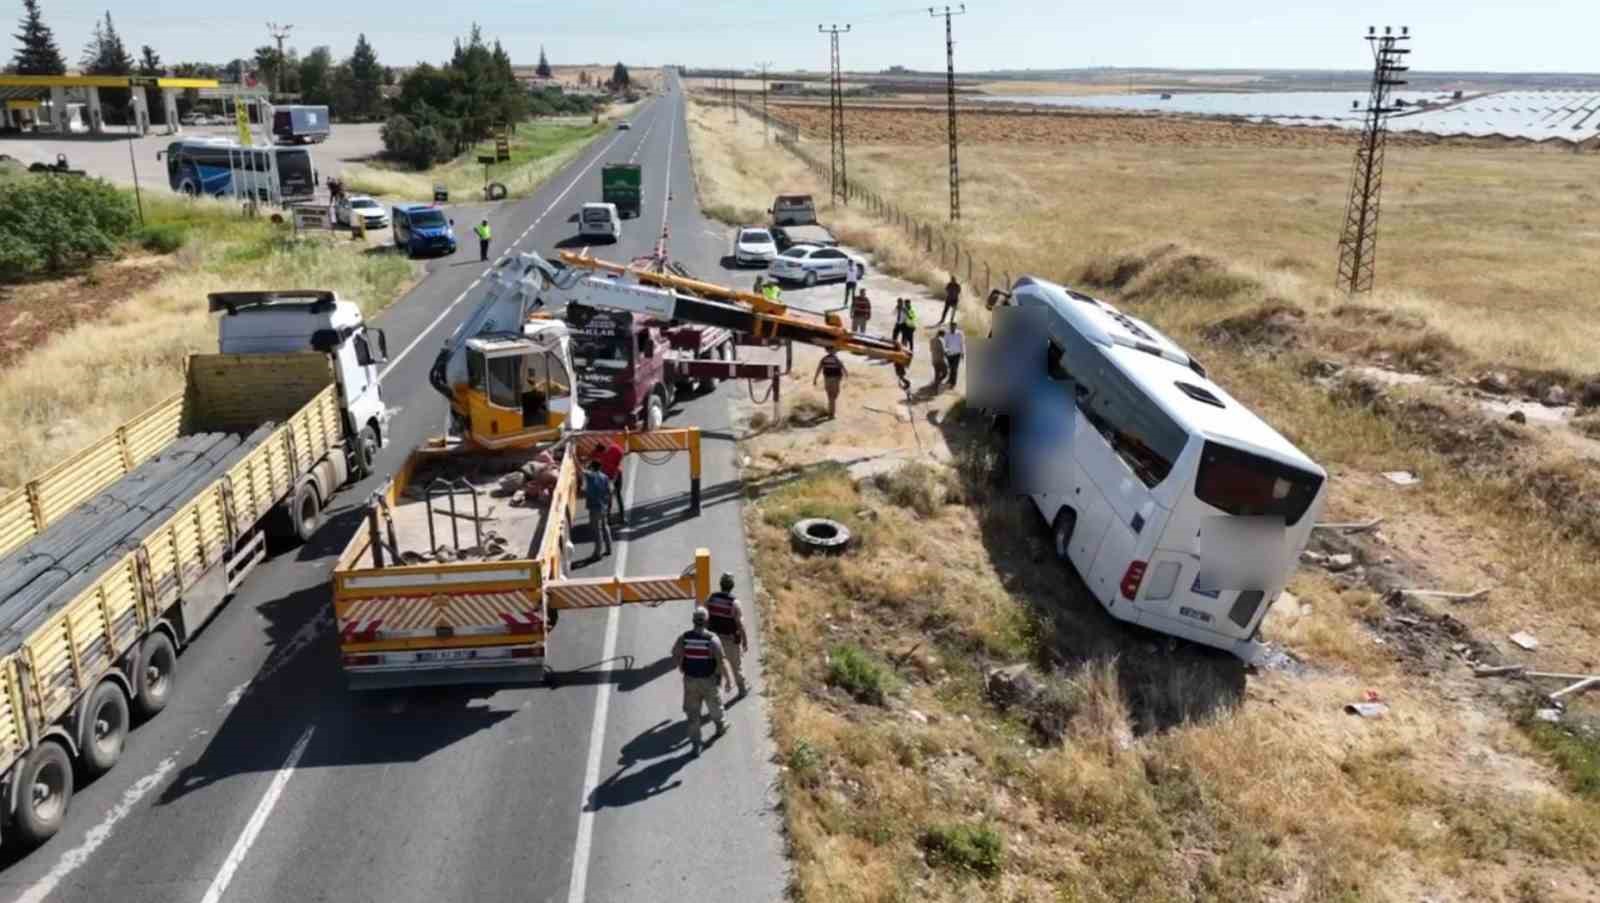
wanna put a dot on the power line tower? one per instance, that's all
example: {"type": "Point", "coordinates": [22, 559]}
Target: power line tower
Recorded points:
{"type": "Point", "coordinates": [841, 183]}
{"type": "Point", "coordinates": [765, 122]}
{"type": "Point", "coordinates": [733, 97]}
{"type": "Point", "coordinates": [278, 33]}
{"type": "Point", "coordinates": [1358, 244]}
{"type": "Point", "coordinates": [950, 94]}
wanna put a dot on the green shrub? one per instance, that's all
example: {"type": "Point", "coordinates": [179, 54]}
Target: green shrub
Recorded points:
{"type": "Point", "coordinates": [54, 223]}
{"type": "Point", "coordinates": [978, 849]}
{"type": "Point", "coordinates": [858, 673]}
{"type": "Point", "coordinates": [162, 238]}
{"type": "Point", "coordinates": [416, 143]}
{"type": "Point", "coordinates": [805, 762]}
{"type": "Point", "coordinates": [1576, 751]}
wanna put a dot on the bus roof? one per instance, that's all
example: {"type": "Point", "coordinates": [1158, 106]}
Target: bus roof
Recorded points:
{"type": "Point", "coordinates": [1165, 372]}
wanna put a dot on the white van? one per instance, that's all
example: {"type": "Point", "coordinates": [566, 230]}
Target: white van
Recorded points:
{"type": "Point", "coordinates": [600, 221]}
{"type": "Point", "coordinates": [1180, 508]}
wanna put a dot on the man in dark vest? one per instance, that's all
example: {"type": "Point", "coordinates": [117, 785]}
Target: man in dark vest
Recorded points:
{"type": "Point", "coordinates": [726, 619]}
{"type": "Point", "coordinates": [698, 655]}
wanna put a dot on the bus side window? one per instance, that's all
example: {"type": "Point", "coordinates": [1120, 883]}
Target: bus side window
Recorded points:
{"type": "Point", "coordinates": [1054, 364]}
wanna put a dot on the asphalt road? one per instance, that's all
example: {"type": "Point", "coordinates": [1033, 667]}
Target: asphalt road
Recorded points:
{"type": "Point", "coordinates": [267, 780]}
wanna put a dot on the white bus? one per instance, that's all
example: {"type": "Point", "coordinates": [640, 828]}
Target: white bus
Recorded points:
{"type": "Point", "coordinates": [1182, 511]}
{"type": "Point", "coordinates": [219, 167]}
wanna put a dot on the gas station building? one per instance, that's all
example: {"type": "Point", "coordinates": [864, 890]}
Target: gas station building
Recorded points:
{"type": "Point", "coordinates": [51, 99]}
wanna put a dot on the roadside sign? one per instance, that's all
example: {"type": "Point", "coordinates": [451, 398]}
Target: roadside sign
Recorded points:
{"type": "Point", "coordinates": [441, 194]}
{"type": "Point", "coordinates": [502, 150]}
{"type": "Point", "coordinates": [241, 118]}
{"type": "Point", "coordinates": [310, 216]}
{"type": "Point", "coordinates": [487, 159]}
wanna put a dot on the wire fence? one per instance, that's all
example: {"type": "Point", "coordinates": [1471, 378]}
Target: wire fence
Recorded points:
{"type": "Point", "coordinates": [934, 241]}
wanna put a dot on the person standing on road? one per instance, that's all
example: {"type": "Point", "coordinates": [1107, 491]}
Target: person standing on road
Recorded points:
{"type": "Point", "coordinates": [483, 239]}
{"type": "Point", "coordinates": [905, 323]}
{"type": "Point", "coordinates": [698, 656]}
{"type": "Point", "coordinates": [726, 619]}
{"type": "Point", "coordinates": [955, 344]}
{"type": "Point", "coordinates": [771, 290]}
{"type": "Point", "coordinates": [860, 312]}
{"type": "Point", "coordinates": [899, 368]}
{"type": "Point", "coordinates": [941, 368]}
{"type": "Point", "coordinates": [854, 272]}
{"type": "Point", "coordinates": [597, 498]}
{"type": "Point", "coordinates": [610, 454]}
{"type": "Point", "coordinates": [833, 371]}
{"type": "Point", "coordinates": [952, 297]}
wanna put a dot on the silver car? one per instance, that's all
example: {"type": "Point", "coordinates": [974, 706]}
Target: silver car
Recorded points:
{"type": "Point", "coordinates": [351, 206]}
{"type": "Point", "coordinates": [810, 264]}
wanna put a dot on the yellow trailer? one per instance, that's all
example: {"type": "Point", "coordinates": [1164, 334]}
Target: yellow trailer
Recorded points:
{"type": "Point", "coordinates": [459, 576]}
{"type": "Point", "coordinates": [76, 666]}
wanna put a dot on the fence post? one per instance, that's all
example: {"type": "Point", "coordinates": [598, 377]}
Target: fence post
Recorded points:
{"type": "Point", "coordinates": [928, 235]}
{"type": "Point", "coordinates": [969, 270]}
{"type": "Point", "coordinates": [987, 286]}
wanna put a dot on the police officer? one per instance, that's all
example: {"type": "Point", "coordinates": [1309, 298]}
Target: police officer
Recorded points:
{"type": "Point", "coordinates": [698, 654]}
{"type": "Point", "coordinates": [726, 620]}
{"type": "Point", "coordinates": [833, 369]}
{"type": "Point", "coordinates": [483, 239]}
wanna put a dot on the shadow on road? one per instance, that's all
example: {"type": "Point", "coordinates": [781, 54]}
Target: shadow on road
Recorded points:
{"type": "Point", "coordinates": [660, 741]}
{"type": "Point", "coordinates": [625, 679]}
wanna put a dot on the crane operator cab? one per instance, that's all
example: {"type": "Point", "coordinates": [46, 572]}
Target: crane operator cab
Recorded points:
{"type": "Point", "coordinates": [519, 388]}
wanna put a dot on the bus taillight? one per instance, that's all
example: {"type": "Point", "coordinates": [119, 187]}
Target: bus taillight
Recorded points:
{"type": "Point", "coordinates": [1131, 578]}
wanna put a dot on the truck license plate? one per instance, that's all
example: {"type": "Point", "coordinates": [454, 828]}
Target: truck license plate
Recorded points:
{"type": "Point", "coordinates": [446, 655]}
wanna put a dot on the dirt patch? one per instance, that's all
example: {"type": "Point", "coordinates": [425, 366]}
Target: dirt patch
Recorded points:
{"type": "Point", "coordinates": [1371, 316]}
{"type": "Point", "coordinates": [1274, 325]}
{"type": "Point", "coordinates": [1478, 445]}
{"type": "Point", "coordinates": [32, 312]}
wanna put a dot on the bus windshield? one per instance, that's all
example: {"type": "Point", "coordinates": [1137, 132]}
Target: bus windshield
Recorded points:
{"type": "Point", "coordinates": [1244, 484]}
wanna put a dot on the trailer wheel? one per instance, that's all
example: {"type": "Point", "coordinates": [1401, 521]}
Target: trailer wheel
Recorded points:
{"type": "Point", "coordinates": [1066, 521]}
{"type": "Point", "coordinates": [104, 731]}
{"type": "Point", "coordinates": [158, 669]}
{"type": "Point", "coordinates": [655, 412]}
{"type": "Point", "coordinates": [305, 514]}
{"type": "Point", "coordinates": [44, 790]}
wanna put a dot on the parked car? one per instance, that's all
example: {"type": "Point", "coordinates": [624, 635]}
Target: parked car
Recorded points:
{"type": "Point", "coordinates": [793, 210]}
{"type": "Point", "coordinates": [810, 264]}
{"type": "Point", "coordinates": [350, 206]}
{"type": "Point", "coordinates": [754, 244]}
{"type": "Point", "coordinates": [624, 125]}
{"type": "Point", "coordinates": [600, 221]}
{"type": "Point", "coordinates": [789, 236]}
{"type": "Point", "coordinates": [420, 229]}
{"type": "Point", "coordinates": [191, 118]}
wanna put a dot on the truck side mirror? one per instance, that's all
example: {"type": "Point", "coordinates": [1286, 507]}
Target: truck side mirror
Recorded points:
{"type": "Point", "coordinates": [377, 346]}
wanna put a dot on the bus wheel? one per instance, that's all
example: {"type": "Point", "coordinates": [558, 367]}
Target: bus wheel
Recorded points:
{"type": "Point", "coordinates": [189, 190]}
{"type": "Point", "coordinates": [104, 731]}
{"type": "Point", "coordinates": [1066, 520]}
{"type": "Point", "coordinates": [44, 790]}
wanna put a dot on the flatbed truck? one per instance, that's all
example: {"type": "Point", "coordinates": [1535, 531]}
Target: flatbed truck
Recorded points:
{"type": "Point", "coordinates": [114, 558]}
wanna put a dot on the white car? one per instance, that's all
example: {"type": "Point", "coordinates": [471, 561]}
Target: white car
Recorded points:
{"type": "Point", "coordinates": [754, 245]}
{"type": "Point", "coordinates": [350, 206]}
{"type": "Point", "coordinates": [810, 264]}
{"type": "Point", "coordinates": [600, 221]}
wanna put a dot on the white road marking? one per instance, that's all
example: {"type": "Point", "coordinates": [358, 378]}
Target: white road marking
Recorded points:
{"type": "Point", "coordinates": [258, 820]}
{"type": "Point", "coordinates": [579, 885]}
{"type": "Point", "coordinates": [302, 638]}
{"type": "Point", "coordinates": [74, 858]}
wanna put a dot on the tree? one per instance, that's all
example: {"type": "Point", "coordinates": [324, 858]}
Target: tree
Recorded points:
{"type": "Point", "coordinates": [619, 77]}
{"type": "Point", "coordinates": [38, 53]}
{"type": "Point", "coordinates": [268, 63]}
{"type": "Point", "coordinates": [366, 79]}
{"type": "Point", "coordinates": [544, 65]}
{"type": "Point", "coordinates": [105, 54]}
{"type": "Point", "coordinates": [149, 61]}
{"type": "Point", "coordinates": [315, 70]}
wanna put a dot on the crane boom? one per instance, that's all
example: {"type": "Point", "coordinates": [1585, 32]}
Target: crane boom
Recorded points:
{"type": "Point", "coordinates": [673, 297]}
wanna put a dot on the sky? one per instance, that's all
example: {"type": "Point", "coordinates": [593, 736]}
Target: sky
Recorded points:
{"type": "Point", "coordinates": [1454, 35]}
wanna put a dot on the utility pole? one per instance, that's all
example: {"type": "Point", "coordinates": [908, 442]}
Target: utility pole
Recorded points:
{"type": "Point", "coordinates": [733, 97]}
{"type": "Point", "coordinates": [950, 94]}
{"type": "Point", "coordinates": [278, 34]}
{"type": "Point", "coordinates": [840, 182]}
{"type": "Point", "coordinates": [1358, 243]}
{"type": "Point", "coordinates": [764, 119]}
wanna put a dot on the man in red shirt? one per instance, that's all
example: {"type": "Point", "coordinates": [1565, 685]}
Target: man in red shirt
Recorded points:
{"type": "Point", "coordinates": [609, 454]}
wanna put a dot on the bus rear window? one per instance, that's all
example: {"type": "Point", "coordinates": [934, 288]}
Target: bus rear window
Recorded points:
{"type": "Point", "coordinates": [1244, 484]}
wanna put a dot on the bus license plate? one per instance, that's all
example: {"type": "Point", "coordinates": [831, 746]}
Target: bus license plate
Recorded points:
{"type": "Point", "coordinates": [447, 655]}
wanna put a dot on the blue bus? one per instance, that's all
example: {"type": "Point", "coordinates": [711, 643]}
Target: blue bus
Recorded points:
{"type": "Point", "coordinates": [218, 167]}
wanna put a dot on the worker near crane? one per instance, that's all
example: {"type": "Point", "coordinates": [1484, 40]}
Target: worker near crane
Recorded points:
{"type": "Point", "coordinates": [899, 367]}
{"type": "Point", "coordinates": [610, 453]}
{"type": "Point", "coordinates": [597, 498]}
{"type": "Point", "coordinates": [725, 618]}
{"type": "Point", "coordinates": [854, 273]}
{"type": "Point", "coordinates": [771, 290]}
{"type": "Point", "coordinates": [833, 372]}
{"type": "Point", "coordinates": [952, 297]}
{"type": "Point", "coordinates": [483, 239]}
{"type": "Point", "coordinates": [941, 367]}
{"type": "Point", "coordinates": [698, 656]}
{"type": "Point", "coordinates": [905, 323]}
{"type": "Point", "coordinates": [860, 312]}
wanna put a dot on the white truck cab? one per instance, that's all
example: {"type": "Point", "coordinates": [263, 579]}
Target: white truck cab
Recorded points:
{"type": "Point", "coordinates": [297, 321]}
{"type": "Point", "coordinates": [600, 221]}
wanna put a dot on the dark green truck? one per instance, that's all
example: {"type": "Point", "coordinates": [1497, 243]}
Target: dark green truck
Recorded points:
{"type": "Point", "coordinates": [619, 184]}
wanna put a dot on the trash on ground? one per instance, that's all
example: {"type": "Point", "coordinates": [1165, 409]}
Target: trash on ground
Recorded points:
{"type": "Point", "coordinates": [1367, 709]}
{"type": "Point", "coordinates": [1401, 477]}
{"type": "Point", "coordinates": [1526, 640]}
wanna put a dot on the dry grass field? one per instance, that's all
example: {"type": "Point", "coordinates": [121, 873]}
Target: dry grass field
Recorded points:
{"type": "Point", "coordinates": [1144, 774]}
{"type": "Point", "coordinates": [538, 149]}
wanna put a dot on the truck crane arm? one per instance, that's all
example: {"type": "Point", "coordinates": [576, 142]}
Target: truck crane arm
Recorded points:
{"type": "Point", "coordinates": [672, 297]}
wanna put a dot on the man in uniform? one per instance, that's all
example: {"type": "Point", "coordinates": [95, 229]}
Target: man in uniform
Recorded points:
{"type": "Point", "coordinates": [698, 655]}
{"type": "Point", "coordinates": [483, 239]}
{"type": "Point", "coordinates": [726, 619]}
{"type": "Point", "coordinates": [831, 367]}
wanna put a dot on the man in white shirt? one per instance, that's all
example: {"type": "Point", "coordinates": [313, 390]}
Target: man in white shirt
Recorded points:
{"type": "Point", "coordinates": [955, 345]}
